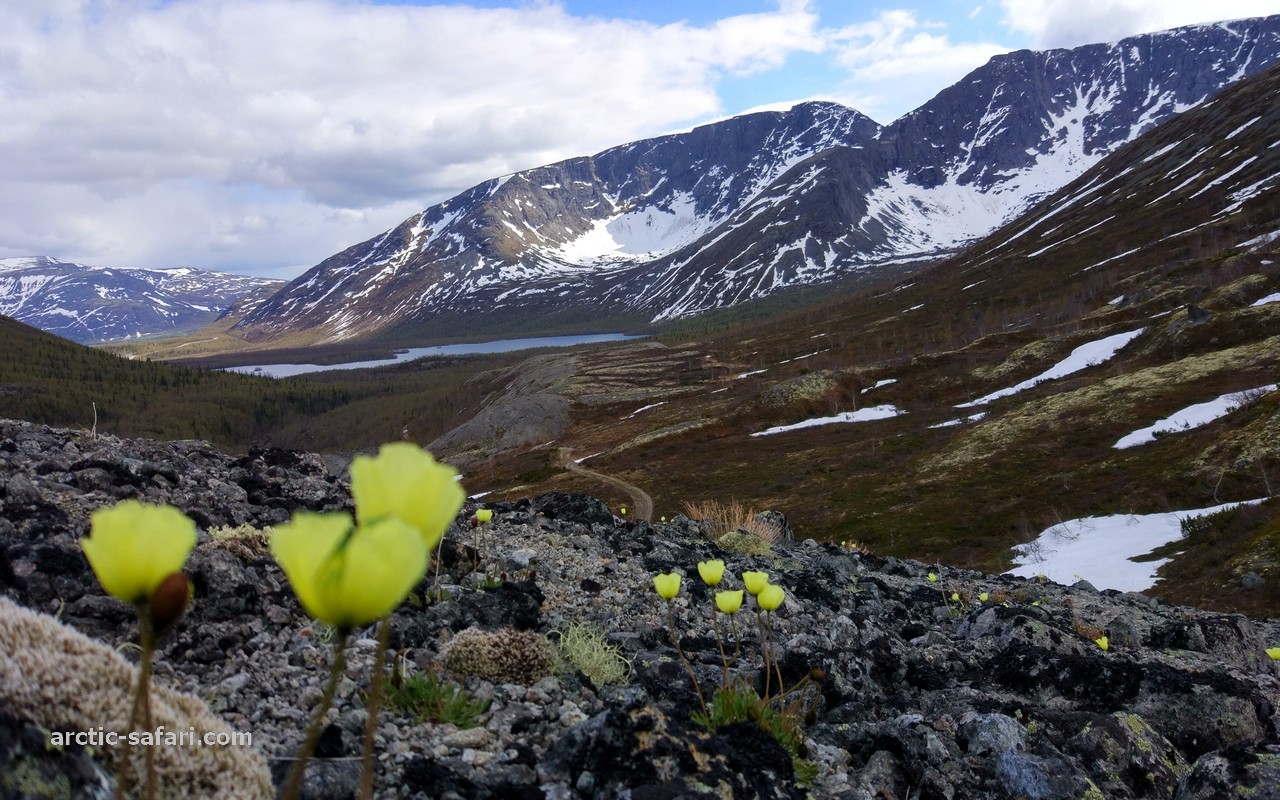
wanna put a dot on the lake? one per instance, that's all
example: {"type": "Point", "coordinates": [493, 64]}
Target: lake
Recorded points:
{"type": "Point", "coordinates": [497, 346]}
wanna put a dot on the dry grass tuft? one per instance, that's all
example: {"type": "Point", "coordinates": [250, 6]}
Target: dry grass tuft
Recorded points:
{"type": "Point", "coordinates": [725, 518]}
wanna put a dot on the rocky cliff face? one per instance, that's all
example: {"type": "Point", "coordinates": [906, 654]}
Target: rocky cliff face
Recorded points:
{"type": "Point", "coordinates": [969, 685]}
{"type": "Point", "coordinates": [742, 208]}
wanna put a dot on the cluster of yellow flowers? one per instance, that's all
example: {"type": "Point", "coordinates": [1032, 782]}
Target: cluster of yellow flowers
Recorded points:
{"type": "Point", "coordinates": [345, 573]}
{"type": "Point", "coordinates": [768, 596]}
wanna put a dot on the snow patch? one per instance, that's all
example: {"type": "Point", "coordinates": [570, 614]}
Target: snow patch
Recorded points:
{"type": "Point", "coordinates": [1191, 417]}
{"type": "Point", "coordinates": [861, 415]}
{"type": "Point", "coordinates": [1086, 355]}
{"type": "Point", "coordinates": [1100, 549]}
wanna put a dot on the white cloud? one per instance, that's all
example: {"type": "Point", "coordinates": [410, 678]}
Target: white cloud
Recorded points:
{"type": "Point", "coordinates": [149, 133]}
{"type": "Point", "coordinates": [1070, 23]}
{"type": "Point", "coordinates": [897, 62]}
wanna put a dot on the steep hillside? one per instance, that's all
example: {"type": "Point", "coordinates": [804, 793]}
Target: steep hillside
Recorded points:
{"type": "Point", "coordinates": [744, 208]}
{"type": "Point", "coordinates": [90, 304]}
{"type": "Point", "coordinates": [976, 404]}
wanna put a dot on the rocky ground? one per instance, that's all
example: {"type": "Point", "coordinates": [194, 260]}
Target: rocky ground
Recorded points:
{"type": "Point", "coordinates": [924, 689]}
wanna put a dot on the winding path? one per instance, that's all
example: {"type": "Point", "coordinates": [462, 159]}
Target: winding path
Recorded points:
{"type": "Point", "coordinates": [640, 500]}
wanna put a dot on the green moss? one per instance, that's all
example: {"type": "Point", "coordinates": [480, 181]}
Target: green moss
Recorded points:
{"type": "Point", "coordinates": [586, 649]}
{"type": "Point", "coordinates": [25, 779]}
{"type": "Point", "coordinates": [744, 544]}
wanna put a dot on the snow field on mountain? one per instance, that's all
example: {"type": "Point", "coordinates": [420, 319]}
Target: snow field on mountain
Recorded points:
{"type": "Point", "coordinates": [649, 232]}
{"type": "Point", "coordinates": [1100, 549]}
{"type": "Point", "coordinates": [1086, 355]}
{"type": "Point", "coordinates": [1192, 416]}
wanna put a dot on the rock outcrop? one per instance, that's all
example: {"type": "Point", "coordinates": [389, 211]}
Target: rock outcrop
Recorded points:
{"type": "Point", "coordinates": [967, 686]}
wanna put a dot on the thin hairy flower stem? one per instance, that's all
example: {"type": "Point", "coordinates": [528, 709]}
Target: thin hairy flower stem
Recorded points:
{"type": "Point", "coordinates": [764, 651]}
{"type": "Point", "coordinates": [737, 639]}
{"type": "Point", "coordinates": [294, 783]}
{"type": "Point", "coordinates": [141, 709]}
{"type": "Point", "coordinates": [720, 642]}
{"type": "Point", "coordinates": [375, 700]}
{"type": "Point", "coordinates": [671, 629]}
{"type": "Point", "coordinates": [773, 651]}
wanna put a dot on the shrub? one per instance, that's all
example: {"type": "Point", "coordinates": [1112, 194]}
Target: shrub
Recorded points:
{"type": "Point", "coordinates": [506, 655]}
{"type": "Point", "coordinates": [721, 518]}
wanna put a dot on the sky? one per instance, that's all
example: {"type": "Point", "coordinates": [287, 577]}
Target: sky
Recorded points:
{"type": "Point", "coordinates": [262, 136]}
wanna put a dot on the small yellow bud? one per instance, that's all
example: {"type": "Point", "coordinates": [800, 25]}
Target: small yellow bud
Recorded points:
{"type": "Point", "coordinates": [933, 578]}
{"type": "Point", "coordinates": [668, 585]}
{"type": "Point", "coordinates": [711, 571]}
{"type": "Point", "coordinates": [729, 602]}
{"type": "Point", "coordinates": [484, 514]}
{"type": "Point", "coordinates": [771, 597]}
{"type": "Point", "coordinates": [755, 581]}
{"type": "Point", "coordinates": [984, 597]}
{"type": "Point", "coordinates": [1274, 653]}
{"type": "Point", "coordinates": [1102, 642]}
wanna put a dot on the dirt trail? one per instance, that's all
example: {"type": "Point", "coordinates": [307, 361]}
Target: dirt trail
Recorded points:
{"type": "Point", "coordinates": [642, 503]}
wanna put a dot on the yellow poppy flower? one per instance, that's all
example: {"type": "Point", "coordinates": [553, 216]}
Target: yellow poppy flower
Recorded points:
{"type": "Point", "coordinates": [1274, 653]}
{"type": "Point", "coordinates": [133, 547]}
{"type": "Point", "coordinates": [771, 597]}
{"type": "Point", "coordinates": [711, 571]}
{"type": "Point", "coordinates": [405, 481]}
{"type": "Point", "coordinates": [729, 602]}
{"type": "Point", "coordinates": [933, 577]}
{"type": "Point", "coordinates": [755, 581]}
{"type": "Point", "coordinates": [345, 577]}
{"type": "Point", "coordinates": [1102, 642]}
{"type": "Point", "coordinates": [668, 585]}
{"type": "Point", "coordinates": [484, 514]}
{"type": "Point", "coordinates": [984, 597]}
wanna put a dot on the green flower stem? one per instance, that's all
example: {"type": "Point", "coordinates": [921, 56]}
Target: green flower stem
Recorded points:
{"type": "Point", "coordinates": [737, 638]}
{"type": "Point", "coordinates": [294, 783]}
{"type": "Point", "coordinates": [671, 629]}
{"type": "Point", "coordinates": [720, 642]}
{"type": "Point", "coordinates": [141, 710]}
{"type": "Point", "coordinates": [375, 700]}
{"type": "Point", "coordinates": [764, 651]}
{"type": "Point", "coordinates": [773, 650]}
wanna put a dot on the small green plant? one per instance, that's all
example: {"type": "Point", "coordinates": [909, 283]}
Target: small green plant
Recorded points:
{"type": "Point", "coordinates": [585, 648]}
{"type": "Point", "coordinates": [736, 701]}
{"type": "Point", "coordinates": [429, 697]}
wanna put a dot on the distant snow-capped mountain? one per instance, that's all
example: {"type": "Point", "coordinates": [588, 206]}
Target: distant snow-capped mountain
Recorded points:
{"type": "Point", "coordinates": [90, 304]}
{"type": "Point", "coordinates": [741, 208]}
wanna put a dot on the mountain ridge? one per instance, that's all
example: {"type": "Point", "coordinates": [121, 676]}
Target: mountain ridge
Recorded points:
{"type": "Point", "coordinates": [673, 226]}
{"type": "Point", "coordinates": [101, 304]}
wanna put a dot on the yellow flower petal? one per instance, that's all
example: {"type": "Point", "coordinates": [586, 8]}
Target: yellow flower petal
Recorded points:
{"type": "Point", "coordinates": [302, 548]}
{"type": "Point", "coordinates": [771, 597]}
{"type": "Point", "coordinates": [711, 571]}
{"type": "Point", "coordinates": [668, 585]}
{"type": "Point", "coordinates": [1102, 642]}
{"type": "Point", "coordinates": [133, 547]}
{"type": "Point", "coordinates": [729, 602]}
{"type": "Point", "coordinates": [405, 481]}
{"type": "Point", "coordinates": [345, 577]}
{"type": "Point", "coordinates": [755, 581]}
{"type": "Point", "coordinates": [1274, 653]}
{"type": "Point", "coordinates": [373, 573]}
